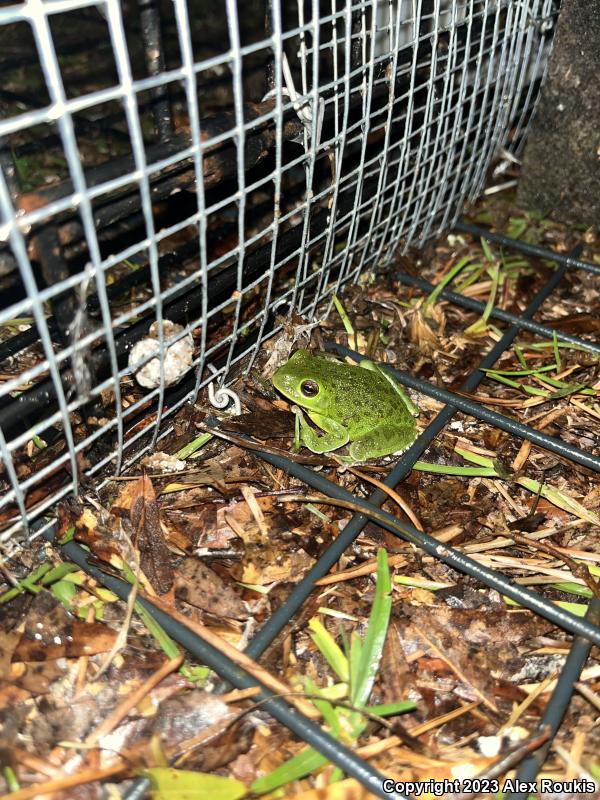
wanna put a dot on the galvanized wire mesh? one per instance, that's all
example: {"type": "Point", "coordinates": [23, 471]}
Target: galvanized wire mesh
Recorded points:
{"type": "Point", "coordinates": [215, 168]}
{"type": "Point", "coordinates": [237, 168]}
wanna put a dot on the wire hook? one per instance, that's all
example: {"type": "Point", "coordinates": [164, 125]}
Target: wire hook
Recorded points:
{"type": "Point", "coordinates": [222, 396]}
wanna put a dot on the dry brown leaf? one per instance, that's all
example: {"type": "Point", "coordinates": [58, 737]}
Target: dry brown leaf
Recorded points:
{"type": "Point", "coordinates": [155, 559]}
{"type": "Point", "coordinates": [51, 632]}
{"type": "Point", "coordinates": [200, 586]}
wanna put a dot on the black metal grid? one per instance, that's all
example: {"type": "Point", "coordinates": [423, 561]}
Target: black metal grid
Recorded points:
{"type": "Point", "coordinates": [587, 630]}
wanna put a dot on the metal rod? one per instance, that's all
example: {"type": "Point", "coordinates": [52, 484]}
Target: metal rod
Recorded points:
{"type": "Point", "coordinates": [83, 122]}
{"type": "Point", "coordinates": [497, 313]}
{"type": "Point", "coordinates": [530, 249]}
{"type": "Point", "coordinates": [448, 555]}
{"type": "Point", "coordinates": [270, 62]}
{"type": "Point", "coordinates": [557, 705]}
{"type": "Point", "coordinates": [125, 283]}
{"type": "Point", "coordinates": [8, 262]}
{"type": "Point", "coordinates": [55, 271]}
{"type": "Point", "coordinates": [287, 610]}
{"type": "Point", "coordinates": [508, 425]}
{"type": "Point", "coordinates": [219, 164]}
{"type": "Point", "coordinates": [155, 64]}
{"type": "Point", "coordinates": [339, 754]}
{"type": "Point", "coordinates": [356, 59]}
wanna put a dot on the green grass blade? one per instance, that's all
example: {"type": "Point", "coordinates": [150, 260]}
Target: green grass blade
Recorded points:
{"type": "Point", "coordinates": [573, 588]}
{"type": "Point", "coordinates": [560, 499]}
{"type": "Point", "coordinates": [567, 345]}
{"type": "Point", "coordinates": [193, 446]}
{"type": "Point", "coordinates": [391, 709]}
{"type": "Point", "coordinates": [329, 649]}
{"type": "Point", "coordinates": [448, 278]}
{"type": "Point", "coordinates": [301, 765]}
{"type": "Point", "coordinates": [26, 584]}
{"type": "Point", "coordinates": [481, 324]}
{"type": "Point", "coordinates": [516, 385]}
{"type": "Point", "coordinates": [579, 609]}
{"type": "Point", "coordinates": [487, 250]}
{"type": "Point", "coordinates": [517, 227]}
{"type": "Point", "coordinates": [181, 784]}
{"type": "Point", "coordinates": [519, 372]}
{"type": "Point", "coordinates": [330, 714]}
{"type": "Point", "coordinates": [167, 644]}
{"type": "Point", "coordinates": [59, 572]}
{"type": "Point", "coordinates": [556, 351]}
{"type": "Point", "coordinates": [453, 469]}
{"type": "Point", "coordinates": [374, 640]}
{"type": "Point", "coordinates": [472, 276]}
{"type": "Point", "coordinates": [520, 356]}
{"type": "Point", "coordinates": [345, 318]}
{"type": "Point", "coordinates": [474, 458]}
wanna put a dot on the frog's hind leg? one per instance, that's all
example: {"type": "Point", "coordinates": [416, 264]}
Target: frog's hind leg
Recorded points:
{"type": "Point", "coordinates": [382, 441]}
{"type": "Point", "coordinates": [396, 385]}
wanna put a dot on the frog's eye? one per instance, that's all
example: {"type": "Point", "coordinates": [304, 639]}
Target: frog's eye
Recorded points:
{"type": "Point", "coordinates": [309, 388]}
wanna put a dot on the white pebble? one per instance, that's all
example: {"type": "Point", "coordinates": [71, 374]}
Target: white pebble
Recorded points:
{"type": "Point", "coordinates": [177, 359]}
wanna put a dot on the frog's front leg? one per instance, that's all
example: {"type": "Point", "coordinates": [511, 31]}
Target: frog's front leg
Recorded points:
{"type": "Point", "coordinates": [384, 440]}
{"type": "Point", "coordinates": [335, 435]}
{"type": "Point", "coordinates": [297, 430]}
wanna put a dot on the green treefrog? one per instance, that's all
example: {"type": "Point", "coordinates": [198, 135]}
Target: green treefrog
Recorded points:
{"type": "Point", "coordinates": [362, 405]}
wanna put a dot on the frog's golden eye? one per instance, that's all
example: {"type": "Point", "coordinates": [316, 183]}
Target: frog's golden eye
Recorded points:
{"type": "Point", "coordinates": [309, 388]}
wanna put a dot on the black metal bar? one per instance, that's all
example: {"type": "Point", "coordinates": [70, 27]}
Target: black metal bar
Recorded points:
{"type": "Point", "coordinates": [302, 726]}
{"type": "Point", "coordinates": [550, 443]}
{"type": "Point", "coordinates": [128, 281]}
{"type": "Point", "coordinates": [557, 705]}
{"type": "Point", "coordinates": [219, 164]}
{"type": "Point", "coordinates": [155, 64]}
{"type": "Point", "coordinates": [8, 263]}
{"type": "Point", "coordinates": [497, 313]}
{"type": "Point", "coordinates": [82, 122]}
{"type": "Point", "coordinates": [41, 397]}
{"type": "Point", "coordinates": [448, 555]}
{"type": "Point", "coordinates": [139, 790]}
{"type": "Point", "coordinates": [55, 271]}
{"type": "Point", "coordinates": [287, 610]}
{"type": "Point", "coordinates": [270, 62]}
{"type": "Point", "coordinates": [356, 59]}
{"type": "Point", "coordinates": [529, 249]}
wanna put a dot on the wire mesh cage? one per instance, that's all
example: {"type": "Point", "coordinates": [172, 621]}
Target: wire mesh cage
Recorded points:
{"type": "Point", "coordinates": [218, 164]}
{"type": "Point", "coordinates": [178, 177]}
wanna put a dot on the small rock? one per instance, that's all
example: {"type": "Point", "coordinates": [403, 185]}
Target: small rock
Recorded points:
{"type": "Point", "coordinates": [163, 462]}
{"type": "Point", "coordinates": [177, 360]}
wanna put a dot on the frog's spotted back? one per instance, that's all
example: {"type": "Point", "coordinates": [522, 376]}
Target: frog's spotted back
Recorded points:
{"type": "Point", "coordinates": [373, 411]}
